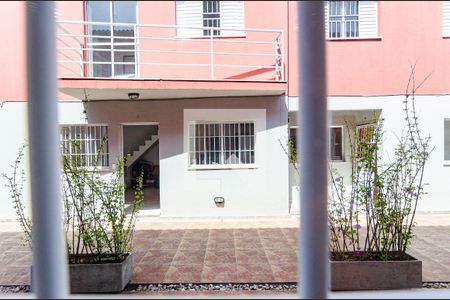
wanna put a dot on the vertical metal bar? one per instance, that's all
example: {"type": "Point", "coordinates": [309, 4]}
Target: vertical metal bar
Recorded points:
{"type": "Point", "coordinates": [111, 26]}
{"type": "Point", "coordinates": [282, 55]}
{"type": "Point", "coordinates": [313, 149]}
{"type": "Point", "coordinates": [277, 77]}
{"type": "Point", "coordinates": [49, 254]}
{"type": "Point", "coordinates": [211, 49]}
{"type": "Point", "coordinates": [136, 51]}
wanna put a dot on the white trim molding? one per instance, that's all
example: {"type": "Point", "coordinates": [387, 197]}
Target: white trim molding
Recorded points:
{"type": "Point", "coordinates": [255, 116]}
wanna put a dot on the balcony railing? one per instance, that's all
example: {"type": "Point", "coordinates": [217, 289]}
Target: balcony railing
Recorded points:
{"type": "Point", "coordinates": [145, 51]}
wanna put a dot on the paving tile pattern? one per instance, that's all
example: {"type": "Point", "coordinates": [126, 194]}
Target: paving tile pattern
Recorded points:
{"type": "Point", "coordinates": [216, 255]}
{"type": "Point", "coordinates": [223, 255]}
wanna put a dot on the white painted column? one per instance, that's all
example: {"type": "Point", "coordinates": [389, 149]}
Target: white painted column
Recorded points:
{"type": "Point", "coordinates": [50, 275]}
{"type": "Point", "coordinates": [313, 150]}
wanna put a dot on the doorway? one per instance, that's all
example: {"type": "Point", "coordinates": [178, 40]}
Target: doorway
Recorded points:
{"type": "Point", "coordinates": [141, 147]}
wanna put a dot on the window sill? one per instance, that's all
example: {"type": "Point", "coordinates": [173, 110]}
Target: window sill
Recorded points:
{"type": "Point", "coordinates": [222, 167]}
{"type": "Point", "coordinates": [446, 163]}
{"type": "Point", "coordinates": [99, 169]}
{"type": "Point", "coordinates": [375, 38]}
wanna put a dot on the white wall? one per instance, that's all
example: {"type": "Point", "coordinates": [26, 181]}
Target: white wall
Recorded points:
{"type": "Point", "coordinates": [432, 110]}
{"type": "Point", "coordinates": [13, 133]}
{"type": "Point", "coordinates": [185, 193]}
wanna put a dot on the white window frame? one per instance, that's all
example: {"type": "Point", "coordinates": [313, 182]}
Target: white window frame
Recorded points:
{"type": "Point", "coordinates": [91, 45]}
{"type": "Point", "coordinates": [296, 128]}
{"type": "Point", "coordinates": [221, 136]}
{"type": "Point", "coordinates": [206, 17]}
{"type": "Point", "coordinates": [368, 20]}
{"type": "Point", "coordinates": [343, 22]}
{"type": "Point", "coordinates": [224, 30]}
{"type": "Point", "coordinates": [90, 150]}
{"type": "Point", "coordinates": [445, 162]}
{"type": "Point", "coordinates": [342, 143]}
{"type": "Point", "coordinates": [446, 19]}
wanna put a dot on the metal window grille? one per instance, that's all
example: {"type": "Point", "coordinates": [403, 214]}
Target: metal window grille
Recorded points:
{"type": "Point", "coordinates": [211, 17]}
{"type": "Point", "coordinates": [336, 144]}
{"type": "Point", "coordinates": [365, 135]}
{"type": "Point", "coordinates": [343, 19]}
{"type": "Point", "coordinates": [85, 145]}
{"type": "Point", "coordinates": [230, 143]}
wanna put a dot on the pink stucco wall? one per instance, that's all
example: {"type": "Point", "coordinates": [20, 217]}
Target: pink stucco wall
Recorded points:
{"type": "Point", "coordinates": [410, 32]}
{"type": "Point", "coordinates": [12, 51]}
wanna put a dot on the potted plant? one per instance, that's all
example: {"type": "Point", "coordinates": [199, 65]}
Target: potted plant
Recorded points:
{"type": "Point", "coordinates": [371, 219]}
{"type": "Point", "coordinates": [98, 226]}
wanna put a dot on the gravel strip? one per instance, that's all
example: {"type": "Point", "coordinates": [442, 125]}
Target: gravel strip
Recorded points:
{"type": "Point", "coordinates": [222, 287]}
{"type": "Point", "coordinates": [436, 285]}
{"type": "Point", "coordinates": [10, 289]}
{"type": "Point", "coordinates": [199, 287]}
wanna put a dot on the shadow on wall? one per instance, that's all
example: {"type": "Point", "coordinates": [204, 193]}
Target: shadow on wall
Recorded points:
{"type": "Point", "coordinates": [169, 115]}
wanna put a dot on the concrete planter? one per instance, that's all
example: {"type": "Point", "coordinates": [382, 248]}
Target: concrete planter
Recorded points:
{"type": "Point", "coordinates": [376, 275]}
{"type": "Point", "coordinates": [100, 278]}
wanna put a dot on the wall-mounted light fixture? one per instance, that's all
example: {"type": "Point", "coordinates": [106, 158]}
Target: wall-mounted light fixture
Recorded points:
{"type": "Point", "coordinates": [133, 96]}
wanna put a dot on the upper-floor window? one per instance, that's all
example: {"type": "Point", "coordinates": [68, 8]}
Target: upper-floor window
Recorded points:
{"type": "Point", "coordinates": [446, 18]}
{"type": "Point", "coordinates": [351, 19]}
{"type": "Point", "coordinates": [193, 16]}
{"type": "Point", "coordinates": [343, 20]}
{"type": "Point", "coordinates": [111, 49]}
{"type": "Point", "coordinates": [211, 17]}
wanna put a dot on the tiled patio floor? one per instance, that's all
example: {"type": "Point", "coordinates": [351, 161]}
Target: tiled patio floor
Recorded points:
{"type": "Point", "coordinates": [229, 250]}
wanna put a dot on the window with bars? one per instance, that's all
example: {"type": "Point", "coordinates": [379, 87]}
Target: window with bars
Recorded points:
{"type": "Point", "coordinates": [343, 19]}
{"type": "Point", "coordinates": [366, 138]}
{"type": "Point", "coordinates": [336, 144]}
{"type": "Point", "coordinates": [85, 145]}
{"type": "Point", "coordinates": [211, 17]}
{"type": "Point", "coordinates": [227, 143]}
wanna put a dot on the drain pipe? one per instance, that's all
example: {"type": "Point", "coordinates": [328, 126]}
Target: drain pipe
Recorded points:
{"type": "Point", "coordinates": [50, 274]}
{"type": "Point", "coordinates": [313, 152]}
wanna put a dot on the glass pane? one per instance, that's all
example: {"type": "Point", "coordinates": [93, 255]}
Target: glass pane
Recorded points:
{"type": "Point", "coordinates": [124, 61]}
{"type": "Point", "coordinates": [124, 12]}
{"type": "Point", "coordinates": [336, 144]}
{"type": "Point", "coordinates": [447, 139]}
{"type": "Point", "coordinates": [102, 61]}
{"type": "Point", "coordinates": [98, 11]}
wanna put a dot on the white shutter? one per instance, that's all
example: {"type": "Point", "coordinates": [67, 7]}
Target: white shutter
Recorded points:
{"type": "Point", "coordinates": [368, 15]}
{"type": "Point", "coordinates": [325, 14]}
{"type": "Point", "coordinates": [446, 18]}
{"type": "Point", "coordinates": [232, 16]}
{"type": "Point", "coordinates": [189, 14]}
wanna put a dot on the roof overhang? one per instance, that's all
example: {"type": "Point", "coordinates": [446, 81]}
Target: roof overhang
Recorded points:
{"type": "Point", "coordinates": [118, 89]}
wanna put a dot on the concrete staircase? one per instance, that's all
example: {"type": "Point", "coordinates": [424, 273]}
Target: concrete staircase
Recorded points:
{"type": "Point", "coordinates": [141, 150]}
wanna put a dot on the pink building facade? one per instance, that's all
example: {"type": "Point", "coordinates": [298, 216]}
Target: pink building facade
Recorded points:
{"type": "Point", "coordinates": [202, 95]}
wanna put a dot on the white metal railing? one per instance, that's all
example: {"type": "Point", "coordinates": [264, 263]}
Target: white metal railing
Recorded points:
{"type": "Point", "coordinates": [148, 51]}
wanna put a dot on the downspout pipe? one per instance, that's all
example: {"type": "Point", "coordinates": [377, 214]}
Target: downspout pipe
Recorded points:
{"type": "Point", "coordinates": [50, 273]}
{"type": "Point", "coordinates": [313, 152]}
